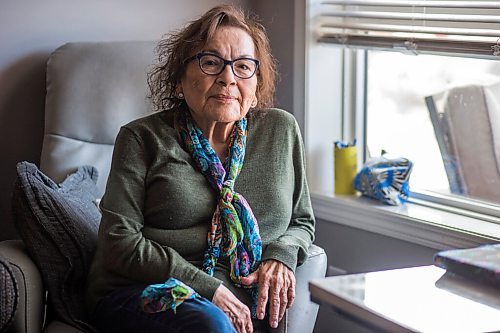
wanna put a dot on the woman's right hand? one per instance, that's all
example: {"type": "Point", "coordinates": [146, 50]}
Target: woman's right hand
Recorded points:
{"type": "Point", "coordinates": [238, 313]}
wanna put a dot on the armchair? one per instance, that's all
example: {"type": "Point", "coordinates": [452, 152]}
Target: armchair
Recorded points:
{"type": "Point", "coordinates": [92, 89]}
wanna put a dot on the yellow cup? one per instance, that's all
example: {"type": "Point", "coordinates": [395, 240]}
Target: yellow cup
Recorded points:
{"type": "Point", "coordinates": [346, 167]}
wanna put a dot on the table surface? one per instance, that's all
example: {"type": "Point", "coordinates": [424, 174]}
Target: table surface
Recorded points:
{"type": "Point", "coordinates": [417, 299]}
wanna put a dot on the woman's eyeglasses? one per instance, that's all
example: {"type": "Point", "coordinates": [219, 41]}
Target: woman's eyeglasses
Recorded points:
{"type": "Point", "coordinates": [212, 64]}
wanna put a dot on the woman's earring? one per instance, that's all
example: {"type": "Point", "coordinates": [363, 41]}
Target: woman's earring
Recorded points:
{"type": "Point", "coordinates": [180, 95]}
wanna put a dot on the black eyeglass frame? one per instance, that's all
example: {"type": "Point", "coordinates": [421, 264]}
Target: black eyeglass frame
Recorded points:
{"type": "Point", "coordinates": [226, 62]}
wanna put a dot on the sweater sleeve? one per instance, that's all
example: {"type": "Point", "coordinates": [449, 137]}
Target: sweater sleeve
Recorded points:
{"type": "Point", "coordinates": [127, 252]}
{"type": "Point", "coordinates": [291, 248]}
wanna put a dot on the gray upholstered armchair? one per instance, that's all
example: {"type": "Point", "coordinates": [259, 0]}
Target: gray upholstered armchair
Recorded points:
{"type": "Point", "coordinates": [93, 89]}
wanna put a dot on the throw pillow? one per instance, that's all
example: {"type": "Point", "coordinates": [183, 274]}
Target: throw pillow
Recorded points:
{"type": "Point", "coordinates": [59, 224]}
{"type": "Point", "coordinates": [9, 296]}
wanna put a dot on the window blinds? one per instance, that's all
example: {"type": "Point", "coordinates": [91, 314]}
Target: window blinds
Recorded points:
{"type": "Point", "coordinates": [427, 26]}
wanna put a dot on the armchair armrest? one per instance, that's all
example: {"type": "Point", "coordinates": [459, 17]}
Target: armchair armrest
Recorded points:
{"type": "Point", "coordinates": [30, 313]}
{"type": "Point", "coordinates": [302, 315]}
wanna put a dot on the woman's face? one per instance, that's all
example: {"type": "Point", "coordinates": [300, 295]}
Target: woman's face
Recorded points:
{"type": "Point", "coordinates": [223, 97]}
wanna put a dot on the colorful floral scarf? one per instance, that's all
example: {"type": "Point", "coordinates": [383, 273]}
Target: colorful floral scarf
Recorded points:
{"type": "Point", "coordinates": [169, 295]}
{"type": "Point", "coordinates": [234, 231]}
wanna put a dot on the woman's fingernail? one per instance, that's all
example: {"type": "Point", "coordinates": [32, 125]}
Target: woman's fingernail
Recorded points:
{"type": "Point", "coordinates": [274, 324]}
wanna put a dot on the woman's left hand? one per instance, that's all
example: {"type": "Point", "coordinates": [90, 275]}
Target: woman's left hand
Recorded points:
{"type": "Point", "coordinates": [276, 285]}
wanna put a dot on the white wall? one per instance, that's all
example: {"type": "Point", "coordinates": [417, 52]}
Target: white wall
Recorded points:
{"type": "Point", "coordinates": [33, 26]}
{"type": "Point", "coordinates": [30, 30]}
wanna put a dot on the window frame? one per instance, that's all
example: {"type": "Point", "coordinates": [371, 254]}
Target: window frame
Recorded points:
{"type": "Point", "coordinates": [357, 114]}
{"type": "Point", "coordinates": [341, 115]}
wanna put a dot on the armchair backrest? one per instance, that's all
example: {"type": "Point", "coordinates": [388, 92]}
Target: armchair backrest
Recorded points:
{"type": "Point", "coordinates": [92, 89]}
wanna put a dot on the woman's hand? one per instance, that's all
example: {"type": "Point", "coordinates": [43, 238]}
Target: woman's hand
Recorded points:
{"type": "Point", "coordinates": [238, 313]}
{"type": "Point", "coordinates": [276, 285]}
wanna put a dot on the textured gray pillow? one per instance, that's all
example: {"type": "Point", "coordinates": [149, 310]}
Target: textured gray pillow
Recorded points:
{"type": "Point", "coordinates": [9, 294]}
{"type": "Point", "coordinates": [59, 224]}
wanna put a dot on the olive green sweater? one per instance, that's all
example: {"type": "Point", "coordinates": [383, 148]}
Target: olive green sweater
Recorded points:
{"type": "Point", "coordinates": [158, 207]}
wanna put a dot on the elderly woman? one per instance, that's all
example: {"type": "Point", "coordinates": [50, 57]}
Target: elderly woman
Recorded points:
{"type": "Point", "coordinates": [214, 161]}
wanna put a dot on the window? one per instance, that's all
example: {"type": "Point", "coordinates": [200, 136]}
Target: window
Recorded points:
{"type": "Point", "coordinates": [440, 112]}
{"type": "Point", "coordinates": [435, 101]}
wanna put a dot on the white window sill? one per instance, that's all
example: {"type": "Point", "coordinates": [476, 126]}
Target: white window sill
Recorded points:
{"type": "Point", "coordinates": [430, 227]}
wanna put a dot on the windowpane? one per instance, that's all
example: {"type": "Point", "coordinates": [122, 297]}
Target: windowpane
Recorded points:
{"type": "Point", "coordinates": [443, 113]}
